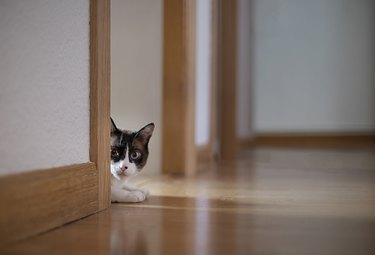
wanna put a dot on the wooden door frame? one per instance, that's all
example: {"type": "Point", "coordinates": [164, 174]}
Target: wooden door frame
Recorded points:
{"type": "Point", "coordinates": [223, 113]}
{"type": "Point", "coordinates": [214, 79]}
{"type": "Point", "coordinates": [100, 96]}
{"type": "Point", "coordinates": [178, 155]}
{"type": "Point", "coordinates": [40, 200]}
{"type": "Point", "coordinates": [227, 79]}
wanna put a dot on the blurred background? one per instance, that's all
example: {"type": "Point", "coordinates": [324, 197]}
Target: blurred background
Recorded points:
{"type": "Point", "coordinates": [302, 68]}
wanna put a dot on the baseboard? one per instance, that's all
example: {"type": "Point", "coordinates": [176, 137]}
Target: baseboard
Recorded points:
{"type": "Point", "coordinates": [311, 140]}
{"type": "Point", "coordinates": [34, 202]}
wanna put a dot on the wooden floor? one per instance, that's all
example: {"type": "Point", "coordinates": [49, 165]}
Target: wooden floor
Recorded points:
{"type": "Point", "coordinates": [266, 202]}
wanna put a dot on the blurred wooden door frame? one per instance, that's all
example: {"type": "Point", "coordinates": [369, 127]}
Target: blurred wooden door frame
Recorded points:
{"type": "Point", "coordinates": [223, 113]}
{"type": "Point", "coordinates": [227, 80]}
{"type": "Point", "coordinates": [178, 155]}
{"type": "Point", "coordinates": [37, 201]}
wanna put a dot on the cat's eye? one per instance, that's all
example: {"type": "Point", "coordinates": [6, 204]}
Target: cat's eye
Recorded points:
{"type": "Point", "coordinates": [115, 154]}
{"type": "Point", "coordinates": [135, 155]}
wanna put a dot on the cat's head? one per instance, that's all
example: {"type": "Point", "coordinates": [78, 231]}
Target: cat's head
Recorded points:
{"type": "Point", "coordinates": [129, 150]}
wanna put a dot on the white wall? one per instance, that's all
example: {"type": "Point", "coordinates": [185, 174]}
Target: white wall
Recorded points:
{"type": "Point", "coordinates": [244, 70]}
{"type": "Point", "coordinates": [203, 72]}
{"type": "Point", "coordinates": [314, 65]}
{"type": "Point", "coordinates": [136, 75]}
{"type": "Point", "coordinates": [44, 83]}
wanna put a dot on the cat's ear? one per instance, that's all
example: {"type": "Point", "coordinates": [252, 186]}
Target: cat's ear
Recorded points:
{"type": "Point", "coordinates": [145, 133]}
{"type": "Point", "coordinates": [113, 126]}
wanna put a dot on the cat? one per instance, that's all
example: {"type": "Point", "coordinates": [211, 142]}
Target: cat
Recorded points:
{"type": "Point", "coordinates": [129, 153]}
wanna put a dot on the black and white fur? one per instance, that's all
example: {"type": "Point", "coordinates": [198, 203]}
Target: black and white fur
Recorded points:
{"type": "Point", "coordinates": [129, 153]}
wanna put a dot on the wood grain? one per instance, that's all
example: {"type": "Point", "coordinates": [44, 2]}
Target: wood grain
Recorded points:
{"type": "Point", "coordinates": [35, 202]}
{"type": "Point", "coordinates": [228, 79]}
{"type": "Point", "coordinates": [178, 154]}
{"type": "Point", "coordinates": [100, 96]}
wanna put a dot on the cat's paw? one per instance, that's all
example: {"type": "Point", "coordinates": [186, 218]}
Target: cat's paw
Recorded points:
{"type": "Point", "coordinates": [136, 196]}
{"type": "Point", "coordinates": [146, 192]}
{"type": "Point", "coordinates": [133, 189]}
{"type": "Point", "coordinates": [125, 196]}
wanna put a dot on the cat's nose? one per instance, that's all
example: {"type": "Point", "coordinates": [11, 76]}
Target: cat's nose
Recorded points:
{"type": "Point", "coordinates": [124, 168]}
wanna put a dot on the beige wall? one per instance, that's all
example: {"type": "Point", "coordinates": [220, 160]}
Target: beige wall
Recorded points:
{"type": "Point", "coordinates": [136, 75]}
{"type": "Point", "coordinates": [44, 83]}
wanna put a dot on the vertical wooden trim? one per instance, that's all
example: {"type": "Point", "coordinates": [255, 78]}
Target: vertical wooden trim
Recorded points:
{"type": "Point", "coordinates": [179, 87]}
{"type": "Point", "coordinates": [227, 78]}
{"type": "Point", "coordinates": [214, 78]}
{"type": "Point", "coordinates": [100, 95]}
{"type": "Point", "coordinates": [190, 154]}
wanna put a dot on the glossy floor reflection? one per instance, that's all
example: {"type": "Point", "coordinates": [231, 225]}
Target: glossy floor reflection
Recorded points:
{"type": "Point", "coordinates": [266, 202]}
